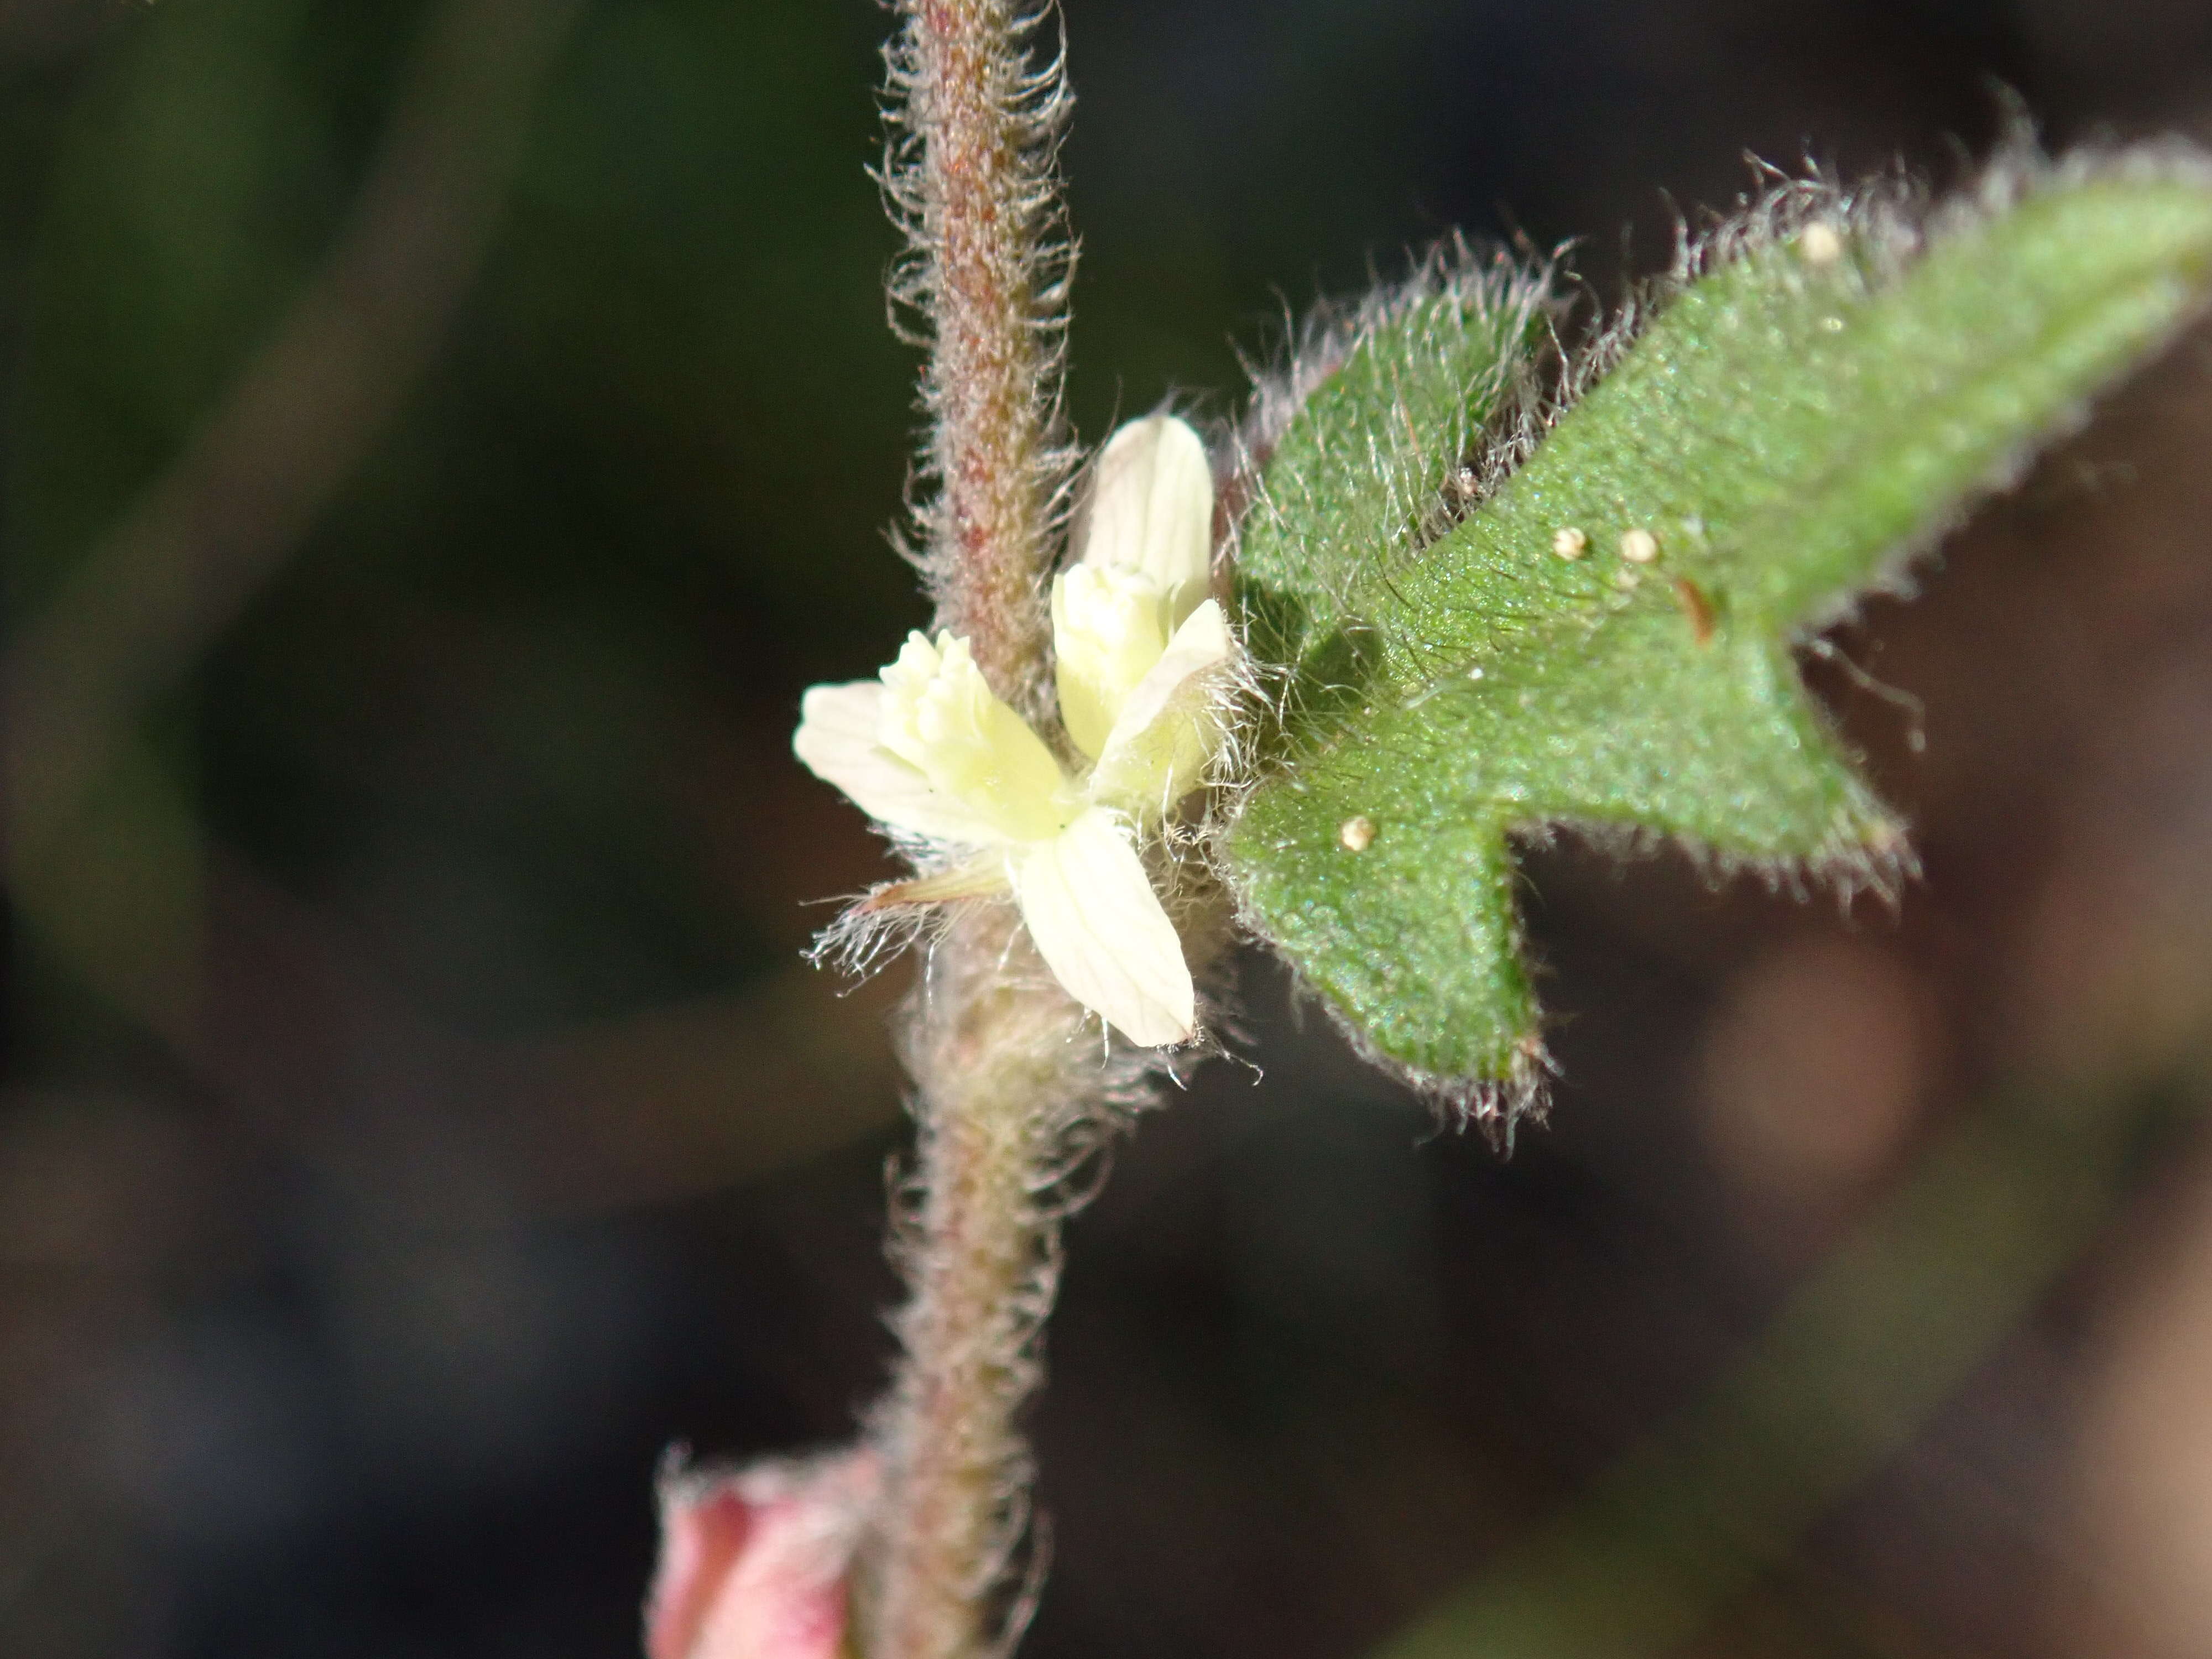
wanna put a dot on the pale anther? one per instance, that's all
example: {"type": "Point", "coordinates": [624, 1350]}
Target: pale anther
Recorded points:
{"type": "Point", "coordinates": [1357, 834]}
{"type": "Point", "coordinates": [1640, 546]}
{"type": "Point", "coordinates": [1568, 543]}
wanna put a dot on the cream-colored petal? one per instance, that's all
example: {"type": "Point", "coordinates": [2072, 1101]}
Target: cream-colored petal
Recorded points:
{"type": "Point", "coordinates": [1100, 929]}
{"type": "Point", "coordinates": [940, 717]}
{"type": "Point", "coordinates": [836, 741]}
{"type": "Point", "coordinates": [1167, 727]}
{"type": "Point", "coordinates": [1151, 510]}
{"type": "Point", "coordinates": [1109, 629]}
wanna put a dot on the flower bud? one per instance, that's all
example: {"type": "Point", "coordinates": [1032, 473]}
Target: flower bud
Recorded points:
{"type": "Point", "coordinates": [754, 1562]}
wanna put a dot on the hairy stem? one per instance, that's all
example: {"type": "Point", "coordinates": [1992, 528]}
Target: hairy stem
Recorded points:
{"type": "Point", "coordinates": [1007, 1080]}
{"type": "Point", "coordinates": [972, 179]}
{"type": "Point", "coordinates": [1008, 1087]}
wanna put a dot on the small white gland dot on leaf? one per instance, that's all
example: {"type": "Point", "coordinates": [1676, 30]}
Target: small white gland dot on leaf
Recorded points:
{"type": "Point", "coordinates": [1357, 834]}
{"type": "Point", "coordinates": [1820, 244]}
{"type": "Point", "coordinates": [1475, 672]}
{"type": "Point", "coordinates": [1568, 543]}
{"type": "Point", "coordinates": [1640, 546]}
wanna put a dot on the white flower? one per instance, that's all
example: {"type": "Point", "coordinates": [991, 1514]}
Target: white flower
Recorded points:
{"type": "Point", "coordinates": [927, 749]}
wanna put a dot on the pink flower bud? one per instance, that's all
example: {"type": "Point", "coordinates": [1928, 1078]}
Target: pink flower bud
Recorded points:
{"type": "Point", "coordinates": [754, 1561]}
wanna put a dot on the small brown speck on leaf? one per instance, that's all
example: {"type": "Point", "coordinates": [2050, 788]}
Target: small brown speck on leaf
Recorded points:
{"type": "Point", "coordinates": [1696, 607]}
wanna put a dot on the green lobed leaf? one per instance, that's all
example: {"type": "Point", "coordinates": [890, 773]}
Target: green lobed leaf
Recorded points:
{"type": "Point", "coordinates": [1413, 378]}
{"type": "Point", "coordinates": [1793, 424]}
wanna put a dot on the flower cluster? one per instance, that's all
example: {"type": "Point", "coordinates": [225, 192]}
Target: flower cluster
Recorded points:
{"type": "Point", "coordinates": [927, 749]}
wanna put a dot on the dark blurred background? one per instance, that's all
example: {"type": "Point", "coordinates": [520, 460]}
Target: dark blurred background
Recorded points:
{"type": "Point", "coordinates": [441, 440]}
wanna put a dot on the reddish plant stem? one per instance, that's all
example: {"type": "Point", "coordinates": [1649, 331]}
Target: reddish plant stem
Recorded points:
{"type": "Point", "coordinates": [975, 185]}
{"type": "Point", "coordinates": [1006, 1078]}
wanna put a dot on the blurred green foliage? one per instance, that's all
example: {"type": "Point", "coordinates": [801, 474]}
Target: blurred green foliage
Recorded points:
{"type": "Point", "coordinates": [667, 406]}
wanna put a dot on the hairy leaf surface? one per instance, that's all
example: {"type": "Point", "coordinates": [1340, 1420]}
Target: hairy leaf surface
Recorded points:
{"type": "Point", "coordinates": [1412, 380]}
{"type": "Point", "coordinates": [1795, 422]}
